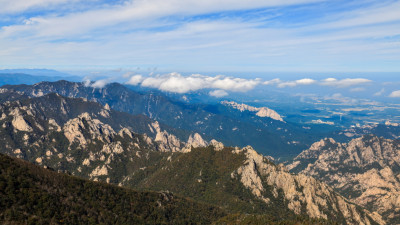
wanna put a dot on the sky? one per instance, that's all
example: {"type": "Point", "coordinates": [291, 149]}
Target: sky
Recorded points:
{"type": "Point", "coordinates": [202, 36]}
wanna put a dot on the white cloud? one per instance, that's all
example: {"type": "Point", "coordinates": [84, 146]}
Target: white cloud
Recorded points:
{"type": "Point", "coordinates": [395, 94]}
{"type": "Point", "coordinates": [135, 80]}
{"type": "Point", "coordinates": [218, 93]}
{"type": "Point", "coordinates": [86, 82]}
{"type": "Point", "coordinates": [131, 11]}
{"type": "Point", "coordinates": [305, 81]}
{"type": "Point", "coordinates": [287, 84]}
{"type": "Point", "coordinates": [175, 82]}
{"type": "Point", "coordinates": [234, 84]}
{"type": "Point", "coordinates": [344, 82]}
{"type": "Point", "coordinates": [100, 83]}
{"type": "Point", "coordinates": [330, 80]}
{"type": "Point", "coordinates": [272, 82]}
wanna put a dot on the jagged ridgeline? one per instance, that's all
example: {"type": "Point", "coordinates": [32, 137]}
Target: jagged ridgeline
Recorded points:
{"type": "Point", "coordinates": [231, 123]}
{"type": "Point", "coordinates": [76, 136]}
{"type": "Point", "coordinates": [366, 170]}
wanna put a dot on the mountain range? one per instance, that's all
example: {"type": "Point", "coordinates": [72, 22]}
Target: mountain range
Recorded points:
{"type": "Point", "coordinates": [75, 136]}
{"type": "Point", "coordinates": [173, 154]}
{"type": "Point", "coordinates": [230, 125]}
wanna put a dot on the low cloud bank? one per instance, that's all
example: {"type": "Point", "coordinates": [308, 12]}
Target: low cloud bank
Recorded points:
{"type": "Point", "coordinates": [221, 85]}
{"type": "Point", "coordinates": [175, 82]}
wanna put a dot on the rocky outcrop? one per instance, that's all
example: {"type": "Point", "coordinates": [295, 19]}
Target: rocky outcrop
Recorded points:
{"type": "Point", "coordinates": [18, 121]}
{"type": "Point", "coordinates": [166, 141]}
{"type": "Point", "coordinates": [302, 193]}
{"type": "Point", "coordinates": [195, 140]}
{"type": "Point", "coordinates": [261, 112]}
{"type": "Point", "coordinates": [170, 143]}
{"type": "Point", "coordinates": [366, 170]}
{"type": "Point", "coordinates": [74, 130]}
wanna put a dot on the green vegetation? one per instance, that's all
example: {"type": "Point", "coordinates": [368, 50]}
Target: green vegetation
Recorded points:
{"type": "Point", "coordinates": [41, 196]}
{"type": "Point", "coordinates": [206, 176]}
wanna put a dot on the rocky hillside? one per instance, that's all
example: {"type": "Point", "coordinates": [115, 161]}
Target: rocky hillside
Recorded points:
{"type": "Point", "coordinates": [33, 195]}
{"type": "Point", "coordinates": [242, 180]}
{"type": "Point", "coordinates": [224, 123]}
{"type": "Point", "coordinates": [366, 170]}
{"type": "Point", "coordinates": [49, 131]}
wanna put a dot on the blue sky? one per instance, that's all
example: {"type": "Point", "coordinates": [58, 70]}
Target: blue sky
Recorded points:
{"type": "Point", "coordinates": [202, 36]}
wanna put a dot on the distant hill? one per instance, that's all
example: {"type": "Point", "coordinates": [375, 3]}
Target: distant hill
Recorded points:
{"type": "Point", "coordinates": [13, 77]}
{"type": "Point", "coordinates": [37, 72]}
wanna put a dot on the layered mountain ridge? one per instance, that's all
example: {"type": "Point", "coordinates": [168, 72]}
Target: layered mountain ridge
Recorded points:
{"type": "Point", "coordinates": [224, 123]}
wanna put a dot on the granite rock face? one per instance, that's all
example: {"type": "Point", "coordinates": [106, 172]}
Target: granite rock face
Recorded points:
{"type": "Point", "coordinates": [365, 170]}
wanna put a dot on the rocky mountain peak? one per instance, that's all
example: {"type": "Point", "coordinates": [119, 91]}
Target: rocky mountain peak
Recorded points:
{"type": "Point", "coordinates": [75, 130]}
{"type": "Point", "coordinates": [166, 141]}
{"type": "Point", "coordinates": [218, 146]}
{"type": "Point", "coordinates": [322, 143]}
{"type": "Point", "coordinates": [196, 141]}
{"type": "Point", "coordinates": [18, 122]}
